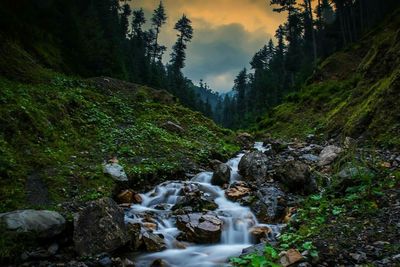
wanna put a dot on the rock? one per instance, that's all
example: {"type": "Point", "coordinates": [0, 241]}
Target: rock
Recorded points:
{"type": "Point", "coordinates": [291, 256]}
{"type": "Point", "coordinates": [129, 196]}
{"type": "Point", "coordinates": [310, 157]}
{"type": "Point", "coordinates": [328, 155]}
{"type": "Point", "coordinates": [296, 177]}
{"type": "Point", "coordinates": [254, 166]}
{"type": "Point", "coordinates": [349, 142]}
{"type": "Point", "coordinates": [237, 191]}
{"type": "Point", "coordinates": [260, 233]}
{"type": "Point", "coordinates": [153, 242]}
{"type": "Point", "coordinates": [135, 236]}
{"type": "Point", "coordinates": [99, 227]}
{"type": "Point", "coordinates": [255, 249]}
{"type": "Point", "coordinates": [270, 205]}
{"type": "Point", "coordinates": [116, 172]}
{"type": "Point", "coordinates": [278, 146]}
{"type": "Point", "coordinates": [43, 223]}
{"type": "Point", "coordinates": [105, 261]}
{"type": "Point", "coordinates": [221, 175]}
{"type": "Point", "coordinates": [150, 226]}
{"type": "Point", "coordinates": [359, 257]}
{"type": "Point", "coordinates": [128, 263]}
{"type": "Point", "coordinates": [200, 228]}
{"type": "Point", "coordinates": [214, 163]}
{"type": "Point", "coordinates": [158, 263]}
{"type": "Point", "coordinates": [194, 202]}
{"type": "Point", "coordinates": [245, 140]}
{"type": "Point", "coordinates": [172, 127]}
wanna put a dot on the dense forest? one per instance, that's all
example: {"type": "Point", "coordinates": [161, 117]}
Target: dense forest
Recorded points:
{"type": "Point", "coordinates": [103, 38]}
{"type": "Point", "coordinates": [313, 31]}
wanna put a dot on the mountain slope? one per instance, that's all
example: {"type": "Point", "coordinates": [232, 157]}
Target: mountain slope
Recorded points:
{"type": "Point", "coordinates": [354, 93]}
{"type": "Point", "coordinates": [57, 131]}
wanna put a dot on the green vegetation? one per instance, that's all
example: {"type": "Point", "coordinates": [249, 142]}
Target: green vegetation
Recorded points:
{"type": "Point", "coordinates": [64, 130]}
{"type": "Point", "coordinates": [351, 94]}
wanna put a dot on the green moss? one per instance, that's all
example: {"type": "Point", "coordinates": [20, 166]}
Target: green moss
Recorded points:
{"type": "Point", "coordinates": [64, 130]}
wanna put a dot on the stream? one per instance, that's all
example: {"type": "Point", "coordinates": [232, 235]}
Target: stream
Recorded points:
{"type": "Point", "coordinates": [237, 222]}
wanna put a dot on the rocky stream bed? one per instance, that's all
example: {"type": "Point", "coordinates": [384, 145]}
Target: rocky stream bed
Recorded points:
{"type": "Point", "coordinates": [233, 210]}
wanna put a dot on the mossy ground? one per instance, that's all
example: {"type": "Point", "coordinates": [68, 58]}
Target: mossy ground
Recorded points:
{"type": "Point", "coordinates": [64, 130]}
{"type": "Point", "coordinates": [353, 93]}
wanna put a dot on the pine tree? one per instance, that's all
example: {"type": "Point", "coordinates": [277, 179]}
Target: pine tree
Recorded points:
{"type": "Point", "coordinates": [159, 18]}
{"type": "Point", "coordinates": [185, 35]}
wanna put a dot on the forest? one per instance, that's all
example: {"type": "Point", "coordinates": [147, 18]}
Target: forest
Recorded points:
{"type": "Point", "coordinates": [196, 133]}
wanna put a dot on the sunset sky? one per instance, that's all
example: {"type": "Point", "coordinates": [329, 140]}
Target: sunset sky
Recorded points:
{"type": "Point", "coordinates": [226, 35]}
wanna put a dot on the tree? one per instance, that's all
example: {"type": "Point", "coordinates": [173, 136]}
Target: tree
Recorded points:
{"type": "Point", "coordinates": [159, 18]}
{"type": "Point", "coordinates": [185, 35]}
{"type": "Point", "coordinates": [138, 20]}
{"type": "Point", "coordinates": [126, 12]}
{"type": "Point", "coordinates": [240, 87]}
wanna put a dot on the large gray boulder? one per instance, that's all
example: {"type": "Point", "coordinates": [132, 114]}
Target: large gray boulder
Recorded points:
{"type": "Point", "coordinates": [254, 166]}
{"type": "Point", "coordinates": [116, 172]}
{"type": "Point", "coordinates": [270, 205]}
{"type": "Point", "coordinates": [296, 177]}
{"type": "Point", "coordinates": [328, 155]}
{"type": "Point", "coordinates": [43, 223]}
{"type": "Point", "coordinates": [153, 242]}
{"type": "Point", "coordinates": [221, 175]}
{"type": "Point", "coordinates": [99, 227]}
{"type": "Point", "coordinates": [200, 228]}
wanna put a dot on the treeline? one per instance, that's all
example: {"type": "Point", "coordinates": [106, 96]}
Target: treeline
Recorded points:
{"type": "Point", "coordinates": [314, 29]}
{"type": "Point", "coordinates": [102, 38]}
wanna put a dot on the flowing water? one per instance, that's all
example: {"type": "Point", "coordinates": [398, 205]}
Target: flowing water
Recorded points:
{"type": "Point", "coordinates": [237, 221]}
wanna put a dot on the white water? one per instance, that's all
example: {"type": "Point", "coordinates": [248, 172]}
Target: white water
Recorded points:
{"type": "Point", "coordinates": [235, 233]}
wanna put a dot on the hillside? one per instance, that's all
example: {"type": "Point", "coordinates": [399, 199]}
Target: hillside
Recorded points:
{"type": "Point", "coordinates": [57, 131]}
{"type": "Point", "coordinates": [353, 93]}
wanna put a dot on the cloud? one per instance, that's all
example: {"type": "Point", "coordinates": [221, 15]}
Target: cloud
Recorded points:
{"type": "Point", "coordinates": [226, 35]}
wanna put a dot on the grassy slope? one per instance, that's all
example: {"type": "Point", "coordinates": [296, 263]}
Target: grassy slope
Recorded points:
{"type": "Point", "coordinates": [353, 93]}
{"type": "Point", "coordinates": [61, 129]}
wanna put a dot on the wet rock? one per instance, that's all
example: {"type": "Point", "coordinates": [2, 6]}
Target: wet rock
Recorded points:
{"type": "Point", "coordinates": [254, 166]}
{"type": "Point", "coordinates": [172, 127]}
{"type": "Point", "coordinates": [135, 236]}
{"type": "Point", "coordinates": [260, 233]}
{"type": "Point", "coordinates": [270, 205]}
{"type": "Point", "coordinates": [159, 263]}
{"type": "Point", "coordinates": [297, 178]}
{"type": "Point", "coordinates": [116, 172]}
{"type": "Point", "coordinates": [214, 163]}
{"type": "Point", "coordinates": [99, 227]}
{"type": "Point", "coordinates": [200, 228]}
{"type": "Point", "coordinates": [194, 201]}
{"type": "Point", "coordinates": [237, 191]}
{"type": "Point", "coordinates": [150, 226]}
{"type": "Point", "coordinates": [255, 249]}
{"type": "Point", "coordinates": [277, 146]}
{"type": "Point", "coordinates": [290, 257]}
{"type": "Point", "coordinates": [221, 175]}
{"type": "Point", "coordinates": [43, 223]}
{"type": "Point", "coordinates": [105, 261]}
{"type": "Point", "coordinates": [328, 155]}
{"type": "Point", "coordinates": [245, 140]}
{"type": "Point", "coordinates": [153, 242]}
{"type": "Point", "coordinates": [128, 263]}
{"type": "Point", "coordinates": [129, 196]}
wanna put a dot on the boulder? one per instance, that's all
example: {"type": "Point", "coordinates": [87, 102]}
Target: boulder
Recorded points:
{"type": "Point", "coordinates": [99, 227]}
{"type": "Point", "coordinates": [270, 206]}
{"type": "Point", "coordinates": [221, 175]}
{"type": "Point", "coordinates": [116, 172]}
{"type": "Point", "coordinates": [258, 249]}
{"type": "Point", "coordinates": [135, 236]}
{"type": "Point", "coordinates": [237, 191]}
{"type": "Point", "coordinates": [328, 155]}
{"type": "Point", "coordinates": [260, 233]}
{"type": "Point", "coordinates": [172, 127]}
{"type": "Point", "coordinates": [214, 163]}
{"type": "Point", "coordinates": [245, 140]}
{"type": "Point", "coordinates": [296, 177]}
{"type": "Point", "coordinates": [43, 223]}
{"type": "Point", "coordinates": [194, 200]}
{"type": "Point", "coordinates": [310, 157]}
{"type": "Point", "coordinates": [290, 257]}
{"type": "Point", "coordinates": [129, 196]}
{"type": "Point", "coordinates": [254, 166]}
{"type": "Point", "coordinates": [153, 242]}
{"type": "Point", "coordinates": [200, 228]}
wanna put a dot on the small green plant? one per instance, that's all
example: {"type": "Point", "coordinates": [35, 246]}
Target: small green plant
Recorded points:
{"type": "Point", "coordinates": [268, 259]}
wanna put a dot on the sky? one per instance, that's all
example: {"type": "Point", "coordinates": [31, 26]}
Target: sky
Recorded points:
{"type": "Point", "coordinates": [227, 33]}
